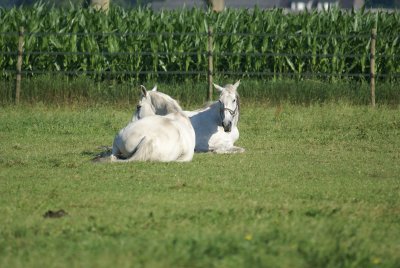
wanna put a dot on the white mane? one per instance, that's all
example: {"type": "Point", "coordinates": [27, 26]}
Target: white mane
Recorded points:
{"type": "Point", "coordinates": [163, 103]}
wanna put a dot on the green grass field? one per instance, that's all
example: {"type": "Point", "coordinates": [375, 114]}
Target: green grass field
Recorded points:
{"type": "Point", "coordinates": [318, 186]}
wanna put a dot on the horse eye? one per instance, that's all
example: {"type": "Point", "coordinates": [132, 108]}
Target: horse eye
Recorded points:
{"type": "Point", "coordinates": [234, 101]}
{"type": "Point", "coordinates": [138, 107]}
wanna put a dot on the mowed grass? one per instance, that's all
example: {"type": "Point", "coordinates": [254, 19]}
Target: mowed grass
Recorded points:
{"type": "Point", "coordinates": [318, 186]}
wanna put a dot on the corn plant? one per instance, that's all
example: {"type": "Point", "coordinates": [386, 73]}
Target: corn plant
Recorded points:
{"type": "Point", "coordinates": [144, 44]}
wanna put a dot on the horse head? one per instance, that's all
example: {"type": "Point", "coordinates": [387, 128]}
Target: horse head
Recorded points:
{"type": "Point", "coordinates": [144, 107]}
{"type": "Point", "coordinates": [153, 102]}
{"type": "Point", "coordinates": [229, 105]}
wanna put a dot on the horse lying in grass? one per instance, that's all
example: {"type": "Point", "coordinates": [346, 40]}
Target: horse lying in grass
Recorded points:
{"type": "Point", "coordinates": [153, 137]}
{"type": "Point", "coordinates": [215, 125]}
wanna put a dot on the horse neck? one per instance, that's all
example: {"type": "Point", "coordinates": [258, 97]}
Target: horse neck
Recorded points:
{"type": "Point", "coordinates": [214, 111]}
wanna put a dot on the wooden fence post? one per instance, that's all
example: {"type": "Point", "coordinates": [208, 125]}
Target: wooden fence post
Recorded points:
{"type": "Point", "coordinates": [372, 66]}
{"type": "Point", "coordinates": [19, 64]}
{"type": "Point", "coordinates": [210, 64]}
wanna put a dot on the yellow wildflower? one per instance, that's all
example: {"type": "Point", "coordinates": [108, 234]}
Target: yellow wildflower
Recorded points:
{"type": "Point", "coordinates": [376, 260]}
{"type": "Point", "coordinates": [248, 237]}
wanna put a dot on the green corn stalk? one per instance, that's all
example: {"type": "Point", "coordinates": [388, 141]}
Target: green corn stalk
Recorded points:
{"type": "Point", "coordinates": [296, 34]}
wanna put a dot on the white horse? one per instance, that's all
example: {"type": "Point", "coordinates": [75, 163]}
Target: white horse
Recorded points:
{"type": "Point", "coordinates": [216, 125]}
{"type": "Point", "coordinates": [151, 137]}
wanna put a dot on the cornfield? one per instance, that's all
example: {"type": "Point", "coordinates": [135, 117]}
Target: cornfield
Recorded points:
{"type": "Point", "coordinates": [129, 44]}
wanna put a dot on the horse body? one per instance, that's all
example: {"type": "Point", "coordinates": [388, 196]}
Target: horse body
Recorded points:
{"type": "Point", "coordinates": [153, 137]}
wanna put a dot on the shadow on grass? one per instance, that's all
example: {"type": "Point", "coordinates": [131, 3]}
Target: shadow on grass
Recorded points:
{"type": "Point", "coordinates": [100, 155]}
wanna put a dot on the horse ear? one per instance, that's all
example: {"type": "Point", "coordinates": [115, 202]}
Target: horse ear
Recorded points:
{"type": "Point", "coordinates": [143, 91]}
{"type": "Point", "coordinates": [236, 85]}
{"type": "Point", "coordinates": [154, 88]}
{"type": "Point", "coordinates": [219, 88]}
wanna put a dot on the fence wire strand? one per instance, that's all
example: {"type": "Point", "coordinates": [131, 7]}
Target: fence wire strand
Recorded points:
{"type": "Point", "coordinates": [216, 34]}
{"type": "Point", "coordinates": [239, 73]}
{"type": "Point", "coordinates": [179, 53]}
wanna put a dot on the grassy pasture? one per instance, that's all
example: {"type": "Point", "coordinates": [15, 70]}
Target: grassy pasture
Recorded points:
{"type": "Point", "coordinates": [318, 186]}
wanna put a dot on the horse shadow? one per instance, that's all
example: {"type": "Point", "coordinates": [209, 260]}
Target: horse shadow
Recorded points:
{"type": "Point", "coordinates": [100, 155]}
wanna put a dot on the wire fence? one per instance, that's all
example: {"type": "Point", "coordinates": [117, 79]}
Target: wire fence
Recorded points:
{"type": "Point", "coordinates": [208, 53]}
{"type": "Point", "coordinates": [275, 35]}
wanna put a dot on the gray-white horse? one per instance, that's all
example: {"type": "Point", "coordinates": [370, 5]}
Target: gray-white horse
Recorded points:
{"type": "Point", "coordinates": [216, 125]}
{"type": "Point", "coordinates": [155, 137]}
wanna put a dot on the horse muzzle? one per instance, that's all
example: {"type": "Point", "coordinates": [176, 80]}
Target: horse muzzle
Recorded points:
{"type": "Point", "coordinates": [227, 126]}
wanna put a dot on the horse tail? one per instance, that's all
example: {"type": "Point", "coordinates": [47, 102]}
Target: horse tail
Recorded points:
{"type": "Point", "coordinates": [143, 151]}
{"type": "Point", "coordinates": [140, 153]}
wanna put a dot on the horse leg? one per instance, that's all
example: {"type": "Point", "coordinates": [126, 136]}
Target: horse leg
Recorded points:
{"type": "Point", "coordinates": [186, 157]}
{"type": "Point", "coordinates": [116, 152]}
{"type": "Point", "coordinates": [237, 150]}
{"type": "Point", "coordinates": [228, 150]}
